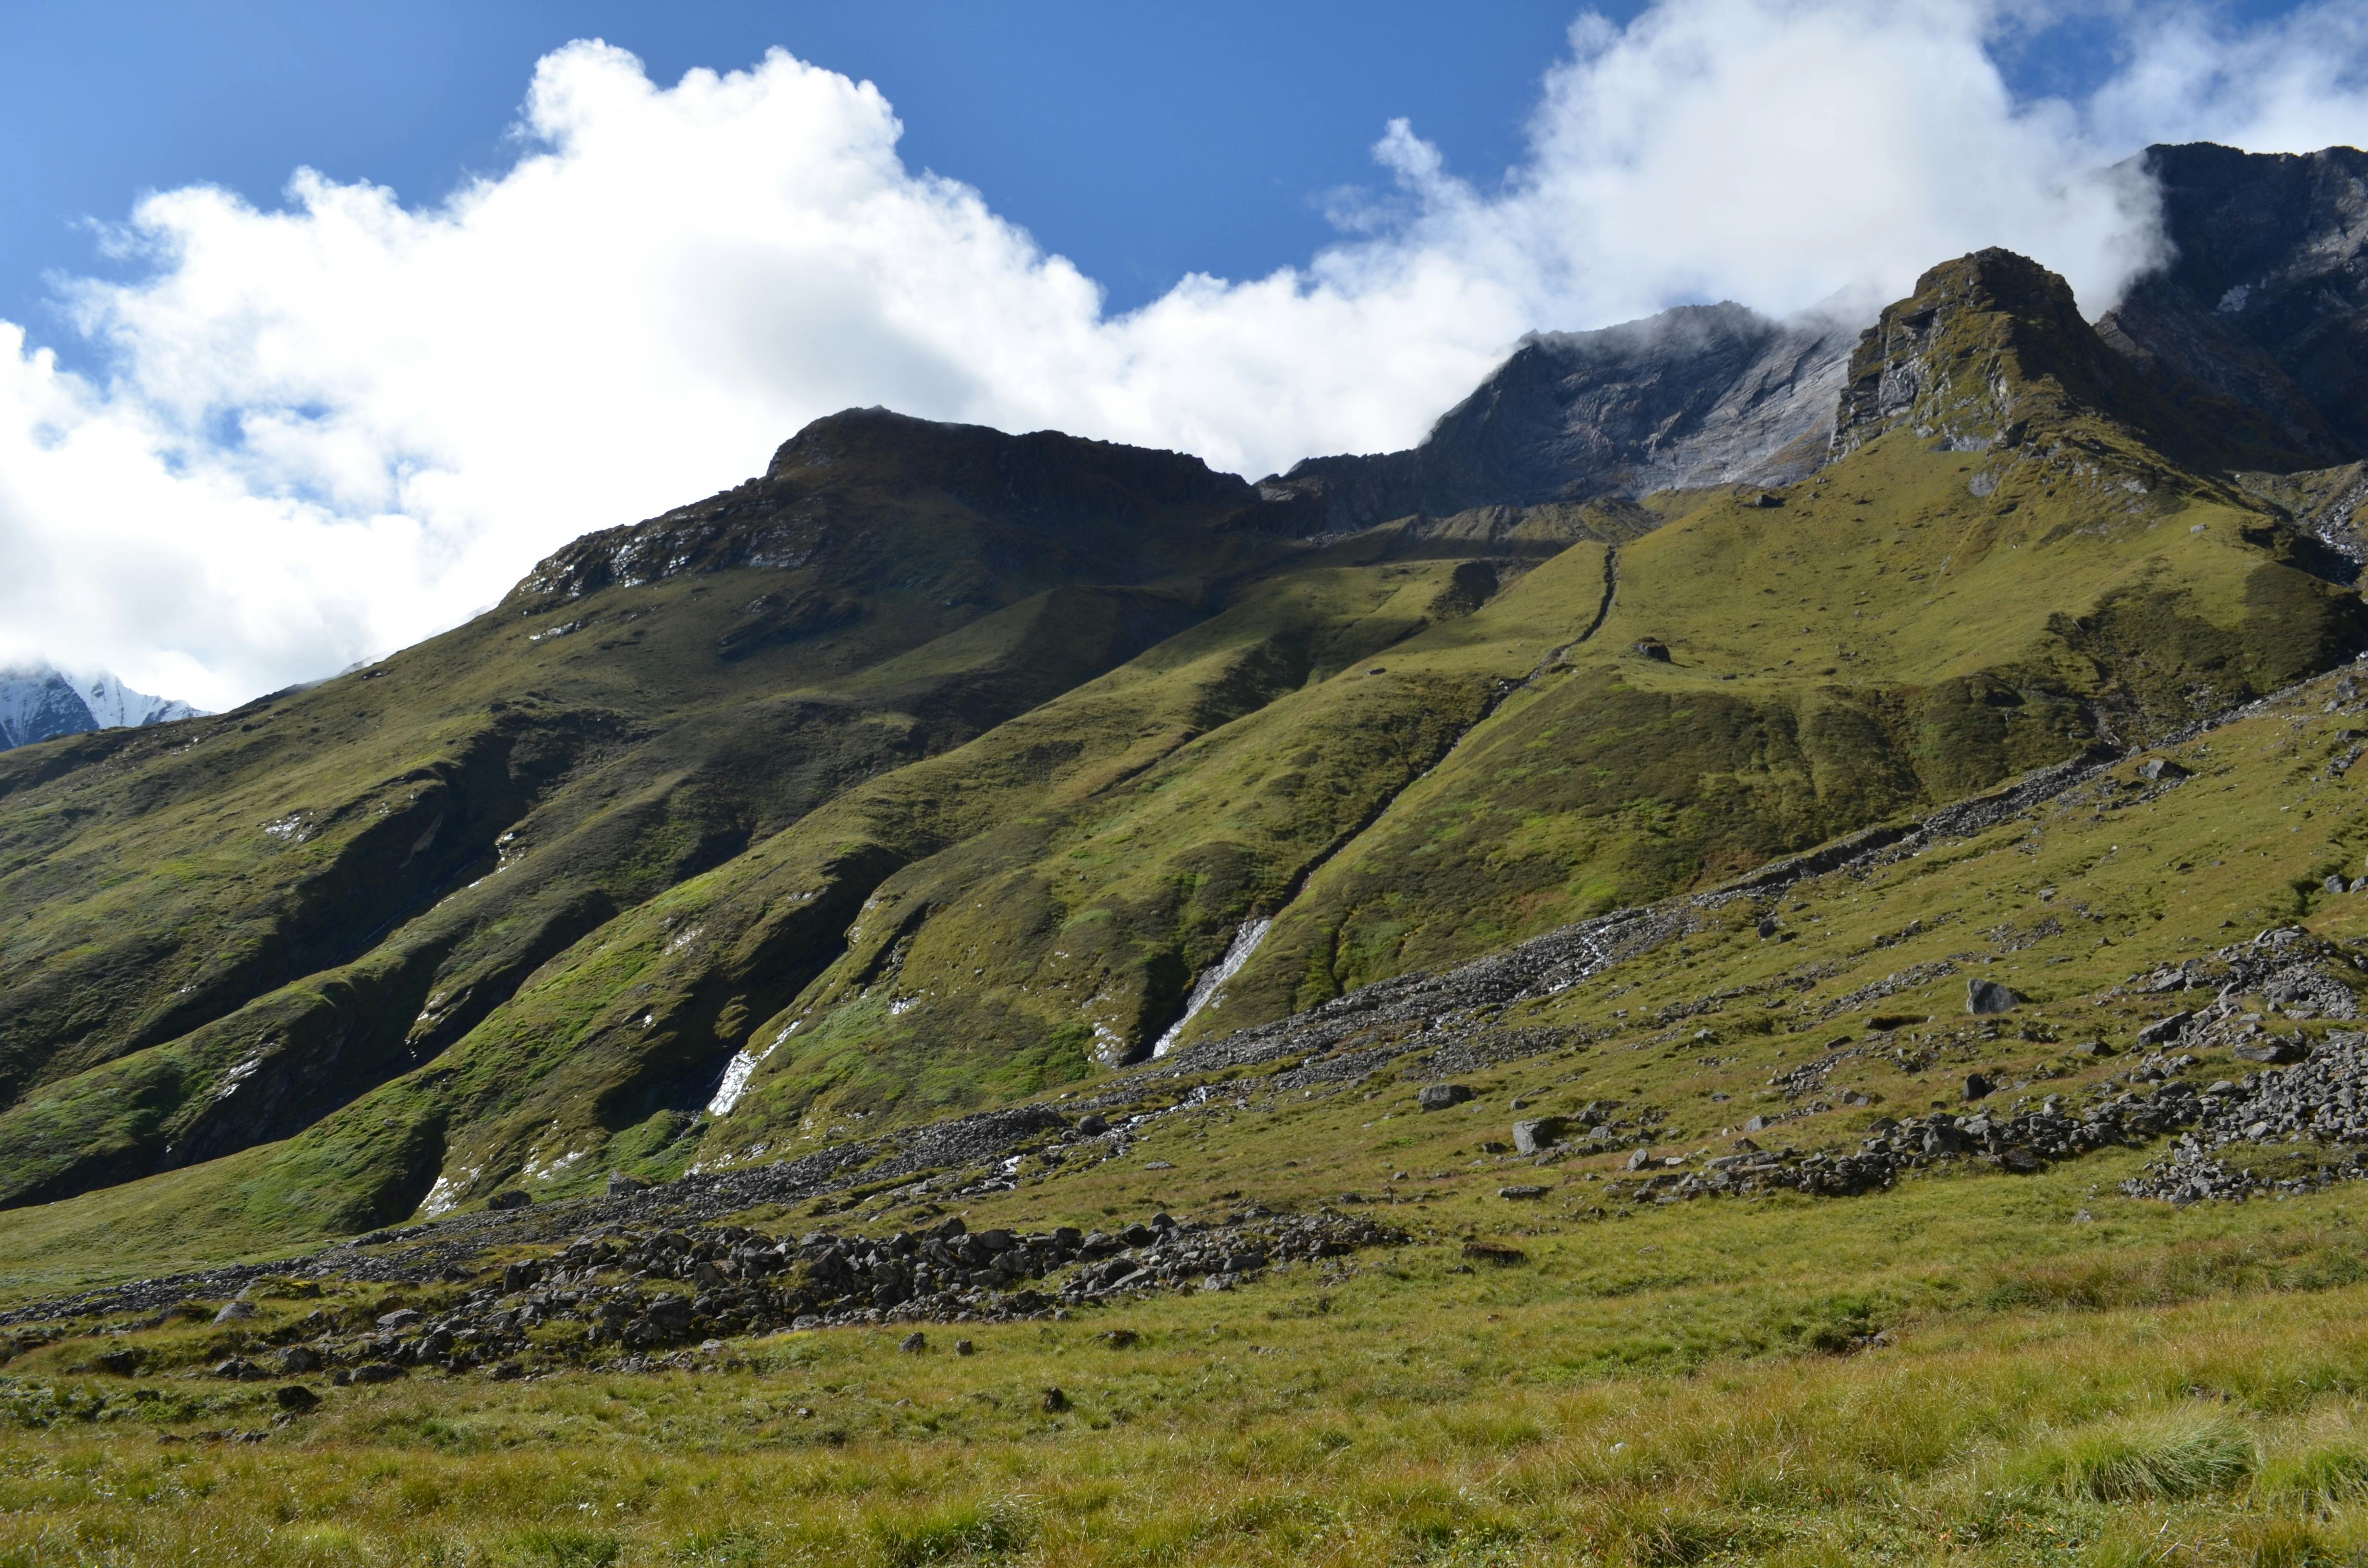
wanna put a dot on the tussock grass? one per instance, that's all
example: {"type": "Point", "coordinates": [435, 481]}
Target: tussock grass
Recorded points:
{"type": "Point", "coordinates": [2160, 1454]}
{"type": "Point", "coordinates": [1979, 1438]}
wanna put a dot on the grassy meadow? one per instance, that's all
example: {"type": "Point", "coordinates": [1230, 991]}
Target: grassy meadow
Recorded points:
{"type": "Point", "coordinates": [1963, 1370]}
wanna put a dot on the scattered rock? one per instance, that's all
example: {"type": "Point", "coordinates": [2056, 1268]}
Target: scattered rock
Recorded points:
{"type": "Point", "coordinates": [295, 1398]}
{"type": "Point", "coordinates": [1517, 1193]}
{"type": "Point", "coordinates": [1439, 1097]}
{"type": "Point", "coordinates": [398, 1320]}
{"type": "Point", "coordinates": [2161, 1030]}
{"type": "Point", "coordinates": [913, 1343]}
{"type": "Point", "coordinates": [1988, 996]}
{"type": "Point", "coordinates": [1536, 1137]}
{"type": "Point", "coordinates": [1640, 1159]}
{"type": "Point", "coordinates": [2271, 1050]}
{"type": "Point", "coordinates": [234, 1311]}
{"type": "Point", "coordinates": [620, 1184]}
{"type": "Point", "coordinates": [2163, 770]}
{"type": "Point", "coordinates": [296, 1360]}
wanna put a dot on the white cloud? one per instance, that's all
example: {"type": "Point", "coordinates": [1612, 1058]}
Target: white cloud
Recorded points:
{"type": "Point", "coordinates": [334, 429]}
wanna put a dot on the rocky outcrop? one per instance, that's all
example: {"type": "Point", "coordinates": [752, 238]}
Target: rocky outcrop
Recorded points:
{"type": "Point", "coordinates": [1698, 395]}
{"type": "Point", "coordinates": [1045, 507]}
{"type": "Point", "coordinates": [2260, 304]}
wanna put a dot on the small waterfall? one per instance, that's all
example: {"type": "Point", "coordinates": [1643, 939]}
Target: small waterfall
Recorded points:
{"type": "Point", "coordinates": [1204, 992]}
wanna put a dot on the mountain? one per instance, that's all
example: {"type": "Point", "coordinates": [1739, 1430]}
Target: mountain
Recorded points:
{"type": "Point", "coordinates": [2258, 313]}
{"type": "Point", "coordinates": [936, 769]}
{"type": "Point", "coordinates": [37, 703]}
{"type": "Point", "coordinates": [1696, 397]}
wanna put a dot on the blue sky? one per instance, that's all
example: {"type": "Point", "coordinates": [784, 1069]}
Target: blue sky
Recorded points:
{"type": "Point", "coordinates": [255, 425]}
{"type": "Point", "coordinates": [1140, 142]}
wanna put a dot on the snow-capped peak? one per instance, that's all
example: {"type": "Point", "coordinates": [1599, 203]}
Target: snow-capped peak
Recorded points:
{"type": "Point", "coordinates": [39, 702]}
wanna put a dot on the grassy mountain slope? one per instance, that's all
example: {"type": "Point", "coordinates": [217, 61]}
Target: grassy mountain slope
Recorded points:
{"type": "Point", "coordinates": [222, 929]}
{"type": "Point", "coordinates": [2002, 571]}
{"type": "Point", "coordinates": [1971, 1365]}
{"type": "Point", "coordinates": [1016, 738]}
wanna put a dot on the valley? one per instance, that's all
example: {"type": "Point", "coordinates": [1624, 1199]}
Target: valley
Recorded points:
{"type": "Point", "coordinates": [1753, 954]}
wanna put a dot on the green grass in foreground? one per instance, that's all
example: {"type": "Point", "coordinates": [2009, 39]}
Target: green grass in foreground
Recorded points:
{"type": "Point", "coordinates": [2149, 1385]}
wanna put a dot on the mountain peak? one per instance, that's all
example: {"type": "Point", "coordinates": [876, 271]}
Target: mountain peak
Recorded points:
{"type": "Point", "coordinates": [1696, 395]}
{"type": "Point", "coordinates": [1986, 341]}
{"type": "Point", "coordinates": [40, 702]}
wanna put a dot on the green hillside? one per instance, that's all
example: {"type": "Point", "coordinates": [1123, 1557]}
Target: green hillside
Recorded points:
{"type": "Point", "coordinates": [1008, 999]}
{"type": "Point", "coordinates": [936, 767]}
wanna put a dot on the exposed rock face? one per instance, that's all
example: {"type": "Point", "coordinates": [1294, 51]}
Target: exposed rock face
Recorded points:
{"type": "Point", "coordinates": [37, 703]}
{"type": "Point", "coordinates": [1698, 395]}
{"type": "Point", "coordinates": [2262, 302]}
{"type": "Point", "coordinates": [1986, 341]}
{"type": "Point", "coordinates": [2251, 347]}
{"type": "Point", "coordinates": [1044, 507]}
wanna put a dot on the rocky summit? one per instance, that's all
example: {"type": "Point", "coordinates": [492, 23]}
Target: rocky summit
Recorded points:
{"type": "Point", "coordinates": [1822, 854]}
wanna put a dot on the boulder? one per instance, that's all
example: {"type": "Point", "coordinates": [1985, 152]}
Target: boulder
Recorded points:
{"type": "Point", "coordinates": [1978, 1086]}
{"type": "Point", "coordinates": [620, 1184]}
{"type": "Point", "coordinates": [1439, 1097]}
{"type": "Point", "coordinates": [1536, 1137]}
{"type": "Point", "coordinates": [2161, 1030]}
{"type": "Point", "coordinates": [913, 1343]}
{"type": "Point", "coordinates": [1517, 1193]}
{"type": "Point", "coordinates": [295, 1398]}
{"type": "Point", "coordinates": [2162, 770]}
{"type": "Point", "coordinates": [2276, 1052]}
{"type": "Point", "coordinates": [1652, 648]}
{"type": "Point", "coordinates": [510, 1198]}
{"type": "Point", "coordinates": [1989, 996]}
{"type": "Point", "coordinates": [1092, 1126]}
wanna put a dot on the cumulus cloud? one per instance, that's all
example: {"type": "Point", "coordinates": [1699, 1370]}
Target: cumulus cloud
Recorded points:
{"type": "Point", "coordinates": [330, 429]}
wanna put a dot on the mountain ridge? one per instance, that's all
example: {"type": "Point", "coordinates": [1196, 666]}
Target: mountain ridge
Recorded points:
{"type": "Point", "coordinates": [932, 768]}
{"type": "Point", "coordinates": [39, 702]}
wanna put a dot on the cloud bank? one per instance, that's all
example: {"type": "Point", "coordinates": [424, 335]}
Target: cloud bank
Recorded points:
{"type": "Point", "coordinates": [330, 429]}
